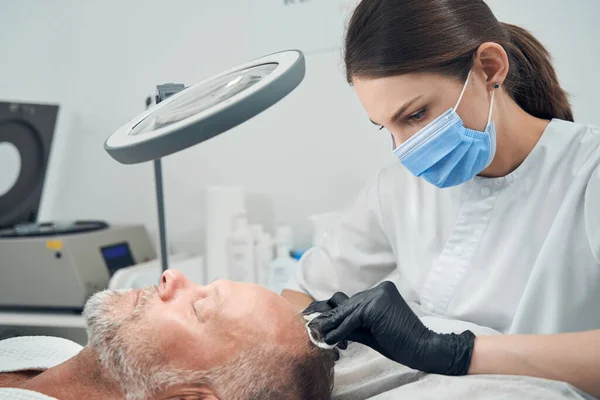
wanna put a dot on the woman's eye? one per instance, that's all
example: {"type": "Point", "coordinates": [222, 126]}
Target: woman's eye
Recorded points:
{"type": "Point", "coordinates": [418, 116]}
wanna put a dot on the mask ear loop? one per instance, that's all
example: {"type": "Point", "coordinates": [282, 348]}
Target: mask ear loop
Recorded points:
{"type": "Point", "coordinates": [463, 90]}
{"type": "Point", "coordinates": [491, 108]}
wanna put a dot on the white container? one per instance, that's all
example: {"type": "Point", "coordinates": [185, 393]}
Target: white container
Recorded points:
{"type": "Point", "coordinates": [264, 252]}
{"type": "Point", "coordinates": [241, 251]}
{"type": "Point", "coordinates": [281, 268]}
{"type": "Point", "coordinates": [256, 230]}
{"type": "Point", "coordinates": [284, 233]}
{"type": "Point", "coordinates": [223, 203]}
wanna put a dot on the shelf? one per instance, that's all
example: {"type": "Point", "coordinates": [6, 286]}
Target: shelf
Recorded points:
{"type": "Point", "coordinates": [39, 318]}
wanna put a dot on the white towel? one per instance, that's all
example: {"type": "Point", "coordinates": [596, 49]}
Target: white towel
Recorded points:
{"type": "Point", "coordinates": [33, 353]}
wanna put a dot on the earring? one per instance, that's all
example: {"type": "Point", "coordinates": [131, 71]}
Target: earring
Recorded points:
{"type": "Point", "coordinates": [496, 86]}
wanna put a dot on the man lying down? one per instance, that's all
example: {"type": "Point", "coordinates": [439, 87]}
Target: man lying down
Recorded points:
{"type": "Point", "coordinates": [180, 341]}
{"type": "Point", "coordinates": [227, 341]}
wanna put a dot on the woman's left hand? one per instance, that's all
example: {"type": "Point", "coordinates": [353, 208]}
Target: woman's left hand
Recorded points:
{"type": "Point", "coordinates": [326, 305]}
{"type": "Point", "coordinates": [381, 319]}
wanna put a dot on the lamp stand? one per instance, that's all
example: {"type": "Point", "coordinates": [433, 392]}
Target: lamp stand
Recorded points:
{"type": "Point", "coordinates": [163, 92]}
{"type": "Point", "coordinates": [160, 205]}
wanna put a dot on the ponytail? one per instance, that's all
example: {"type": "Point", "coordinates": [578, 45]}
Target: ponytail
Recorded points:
{"type": "Point", "coordinates": [395, 37]}
{"type": "Point", "coordinates": [532, 81]}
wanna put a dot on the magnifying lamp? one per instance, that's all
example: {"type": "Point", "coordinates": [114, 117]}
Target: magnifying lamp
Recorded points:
{"type": "Point", "coordinates": [184, 117]}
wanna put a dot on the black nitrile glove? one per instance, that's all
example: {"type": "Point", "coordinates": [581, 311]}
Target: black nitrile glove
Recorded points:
{"type": "Point", "coordinates": [327, 305]}
{"type": "Point", "coordinates": [381, 319]}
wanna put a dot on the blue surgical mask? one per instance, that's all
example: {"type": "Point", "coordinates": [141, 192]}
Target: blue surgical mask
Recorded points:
{"type": "Point", "coordinates": [445, 153]}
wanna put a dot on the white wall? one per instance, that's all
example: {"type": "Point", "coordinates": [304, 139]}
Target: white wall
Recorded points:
{"type": "Point", "coordinates": [309, 153]}
{"type": "Point", "coordinates": [570, 32]}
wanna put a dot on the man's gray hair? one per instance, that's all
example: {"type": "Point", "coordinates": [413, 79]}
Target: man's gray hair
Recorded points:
{"type": "Point", "coordinates": [275, 372]}
{"type": "Point", "coordinates": [258, 372]}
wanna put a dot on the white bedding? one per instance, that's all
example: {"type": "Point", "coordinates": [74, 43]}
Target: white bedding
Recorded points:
{"type": "Point", "coordinates": [361, 373]}
{"type": "Point", "coordinates": [33, 353]}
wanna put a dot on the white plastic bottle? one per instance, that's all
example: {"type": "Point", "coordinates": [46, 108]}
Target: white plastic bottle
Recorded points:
{"type": "Point", "coordinates": [223, 203]}
{"type": "Point", "coordinates": [264, 253]}
{"type": "Point", "coordinates": [282, 267]}
{"type": "Point", "coordinates": [256, 230]}
{"type": "Point", "coordinates": [241, 251]}
{"type": "Point", "coordinates": [284, 233]}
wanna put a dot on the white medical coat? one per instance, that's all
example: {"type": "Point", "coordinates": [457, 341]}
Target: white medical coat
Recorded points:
{"type": "Point", "coordinates": [519, 254]}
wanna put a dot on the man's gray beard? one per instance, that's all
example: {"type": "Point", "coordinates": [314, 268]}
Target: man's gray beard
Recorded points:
{"type": "Point", "coordinates": [141, 371]}
{"type": "Point", "coordinates": [126, 358]}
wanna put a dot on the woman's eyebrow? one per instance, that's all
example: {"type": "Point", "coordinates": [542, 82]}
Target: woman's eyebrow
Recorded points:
{"type": "Point", "coordinates": [403, 109]}
{"type": "Point", "coordinates": [400, 111]}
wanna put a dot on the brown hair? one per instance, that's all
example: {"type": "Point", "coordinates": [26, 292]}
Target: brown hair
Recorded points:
{"type": "Point", "coordinates": [260, 372]}
{"type": "Point", "coordinates": [393, 37]}
{"type": "Point", "coordinates": [272, 371]}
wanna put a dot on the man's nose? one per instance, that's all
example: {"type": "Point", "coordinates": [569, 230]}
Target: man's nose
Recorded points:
{"type": "Point", "coordinates": [171, 282]}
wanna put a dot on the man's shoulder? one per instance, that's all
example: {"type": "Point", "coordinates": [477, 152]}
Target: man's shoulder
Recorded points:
{"type": "Point", "coordinates": [35, 352]}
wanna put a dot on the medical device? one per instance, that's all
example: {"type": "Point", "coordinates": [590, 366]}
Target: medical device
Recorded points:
{"type": "Point", "coordinates": [192, 115]}
{"type": "Point", "coordinates": [59, 266]}
{"type": "Point", "coordinates": [50, 265]}
{"type": "Point", "coordinates": [26, 133]}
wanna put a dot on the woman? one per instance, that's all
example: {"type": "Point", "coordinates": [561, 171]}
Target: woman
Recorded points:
{"type": "Point", "coordinates": [492, 214]}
